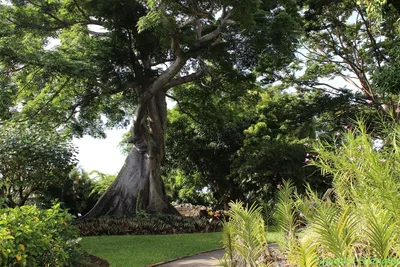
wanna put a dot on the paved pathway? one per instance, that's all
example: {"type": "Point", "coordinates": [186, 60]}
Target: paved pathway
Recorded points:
{"type": "Point", "coordinates": [211, 259]}
{"type": "Point", "coordinates": [204, 259]}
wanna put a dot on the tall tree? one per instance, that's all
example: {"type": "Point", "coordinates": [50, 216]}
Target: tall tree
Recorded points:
{"type": "Point", "coordinates": [116, 57]}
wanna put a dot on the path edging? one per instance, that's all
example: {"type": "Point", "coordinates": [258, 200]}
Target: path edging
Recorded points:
{"type": "Point", "coordinates": [184, 257]}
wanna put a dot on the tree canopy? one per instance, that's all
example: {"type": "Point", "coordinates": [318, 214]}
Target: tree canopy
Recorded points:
{"type": "Point", "coordinates": [68, 63]}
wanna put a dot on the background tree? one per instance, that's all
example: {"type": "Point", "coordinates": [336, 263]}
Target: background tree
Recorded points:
{"type": "Point", "coordinates": [246, 142]}
{"type": "Point", "coordinates": [275, 146]}
{"type": "Point", "coordinates": [31, 161]}
{"type": "Point", "coordinates": [205, 130]}
{"type": "Point", "coordinates": [344, 49]}
{"type": "Point", "coordinates": [184, 188]}
{"type": "Point", "coordinates": [106, 65]}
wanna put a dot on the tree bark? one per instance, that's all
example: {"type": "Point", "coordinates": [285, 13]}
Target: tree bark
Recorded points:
{"type": "Point", "coordinates": [139, 186]}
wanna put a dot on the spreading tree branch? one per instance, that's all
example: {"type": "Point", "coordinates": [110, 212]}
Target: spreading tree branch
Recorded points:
{"type": "Point", "coordinates": [182, 109]}
{"type": "Point", "coordinates": [185, 79]}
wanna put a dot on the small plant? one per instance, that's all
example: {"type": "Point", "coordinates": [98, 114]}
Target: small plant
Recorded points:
{"type": "Point", "coordinates": [33, 237]}
{"type": "Point", "coordinates": [244, 237]}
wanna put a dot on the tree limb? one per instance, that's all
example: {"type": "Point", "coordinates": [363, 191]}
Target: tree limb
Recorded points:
{"type": "Point", "coordinates": [169, 73]}
{"type": "Point", "coordinates": [185, 79]}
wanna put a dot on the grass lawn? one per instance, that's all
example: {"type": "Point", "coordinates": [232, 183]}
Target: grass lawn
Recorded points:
{"type": "Point", "coordinates": [142, 250]}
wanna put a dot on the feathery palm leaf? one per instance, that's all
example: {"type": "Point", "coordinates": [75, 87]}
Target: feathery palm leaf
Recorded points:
{"type": "Point", "coordinates": [304, 254]}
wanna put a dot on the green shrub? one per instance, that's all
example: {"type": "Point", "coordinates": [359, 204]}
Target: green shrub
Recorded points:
{"type": "Point", "coordinates": [33, 237]}
{"type": "Point", "coordinates": [142, 224]}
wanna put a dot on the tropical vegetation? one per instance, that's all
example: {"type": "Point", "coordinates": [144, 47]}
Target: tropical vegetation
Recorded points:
{"type": "Point", "coordinates": [285, 114]}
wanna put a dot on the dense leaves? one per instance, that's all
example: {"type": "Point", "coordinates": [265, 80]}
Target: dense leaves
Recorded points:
{"type": "Point", "coordinates": [33, 237]}
{"type": "Point", "coordinates": [31, 160]}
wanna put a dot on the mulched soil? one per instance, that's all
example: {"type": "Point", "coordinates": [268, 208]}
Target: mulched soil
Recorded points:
{"type": "Point", "coordinates": [276, 255]}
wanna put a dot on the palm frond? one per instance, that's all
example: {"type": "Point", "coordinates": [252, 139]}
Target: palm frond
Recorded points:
{"type": "Point", "coordinates": [380, 232]}
{"type": "Point", "coordinates": [304, 254]}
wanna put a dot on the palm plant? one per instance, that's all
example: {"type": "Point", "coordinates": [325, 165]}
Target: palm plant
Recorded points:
{"type": "Point", "coordinates": [285, 215]}
{"type": "Point", "coordinates": [244, 237]}
{"type": "Point", "coordinates": [336, 230]}
{"type": "Point", "coordinates": [304, 254]}
{"type": "Point", "coordinates": [381, 233]}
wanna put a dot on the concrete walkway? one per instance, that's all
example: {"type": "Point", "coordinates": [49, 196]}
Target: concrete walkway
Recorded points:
{"type": "Point", "coordinates": [200, 260]}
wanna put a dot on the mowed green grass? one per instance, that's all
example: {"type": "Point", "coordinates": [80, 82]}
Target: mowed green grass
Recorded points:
{"type": "Point", "coordinates": [143, 250]}
{"type": "Point", "coordinates": [138, 251]}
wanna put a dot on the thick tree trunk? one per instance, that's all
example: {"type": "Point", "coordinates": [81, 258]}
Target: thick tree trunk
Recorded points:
{"type": "Point", "coordinates": [139, 186]}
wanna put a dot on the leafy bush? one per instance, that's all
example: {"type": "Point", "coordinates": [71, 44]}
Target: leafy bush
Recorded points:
{"type": "Point", "coordinates": [245, 237]}
{"type": "Point", "coordinates": [144, 224]}
{"type": "Point", "coordinates": [33, 237]}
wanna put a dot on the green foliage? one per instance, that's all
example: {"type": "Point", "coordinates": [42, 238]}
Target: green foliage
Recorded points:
{"type": "Point", "coordinates": [31, 160]}
{"type": "Point", "coordinates": [142, 224]}
{"type": "Point", "coordinates": [363, 174]}
{"type": "Point", "coordinates": [336, 230]}
{"type": "Point", "coordinates": [152, 19]}
{"type": "Point", "coordinates": [75, 193]}
{"type": "Point", "coordinates": [361, 221]}
{"type": "Point", "coordinates": [243, 146]}
{"type": "Point", "coordinates": [381, 232]}
{"type": "Point", "coordinates": [304, 254]}
{"type": "Point", "coordinates": [109, 53]}
{"type": "Point", "coordinates": [244, 237]}
{"type": "Point", "coordinates": [101, 182]}
{"type": "Point", "coordinates": [202, 141]}
{"type": "Point", "coordinates": [386, 80]}
{"type": "Point", "coordinates": [182, 188]}
{"type": "Point", "coordinates": [347, 48]}
{"type": "Point", "coordinates": [33, 237]}
{"type": "Point", "coordinates": [275, 145]}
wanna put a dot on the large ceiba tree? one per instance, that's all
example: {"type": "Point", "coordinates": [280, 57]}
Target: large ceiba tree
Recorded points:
{"type": "Point", "coordinates": [69, 64]}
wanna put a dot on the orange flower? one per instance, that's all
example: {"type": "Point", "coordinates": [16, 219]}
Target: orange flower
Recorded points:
{"type": "Point", "coordinates": [22, 247]}
{"type": "Point", "coordinates": [35, 219]}
{"type": "Point", "coordinates": [18, 257]}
